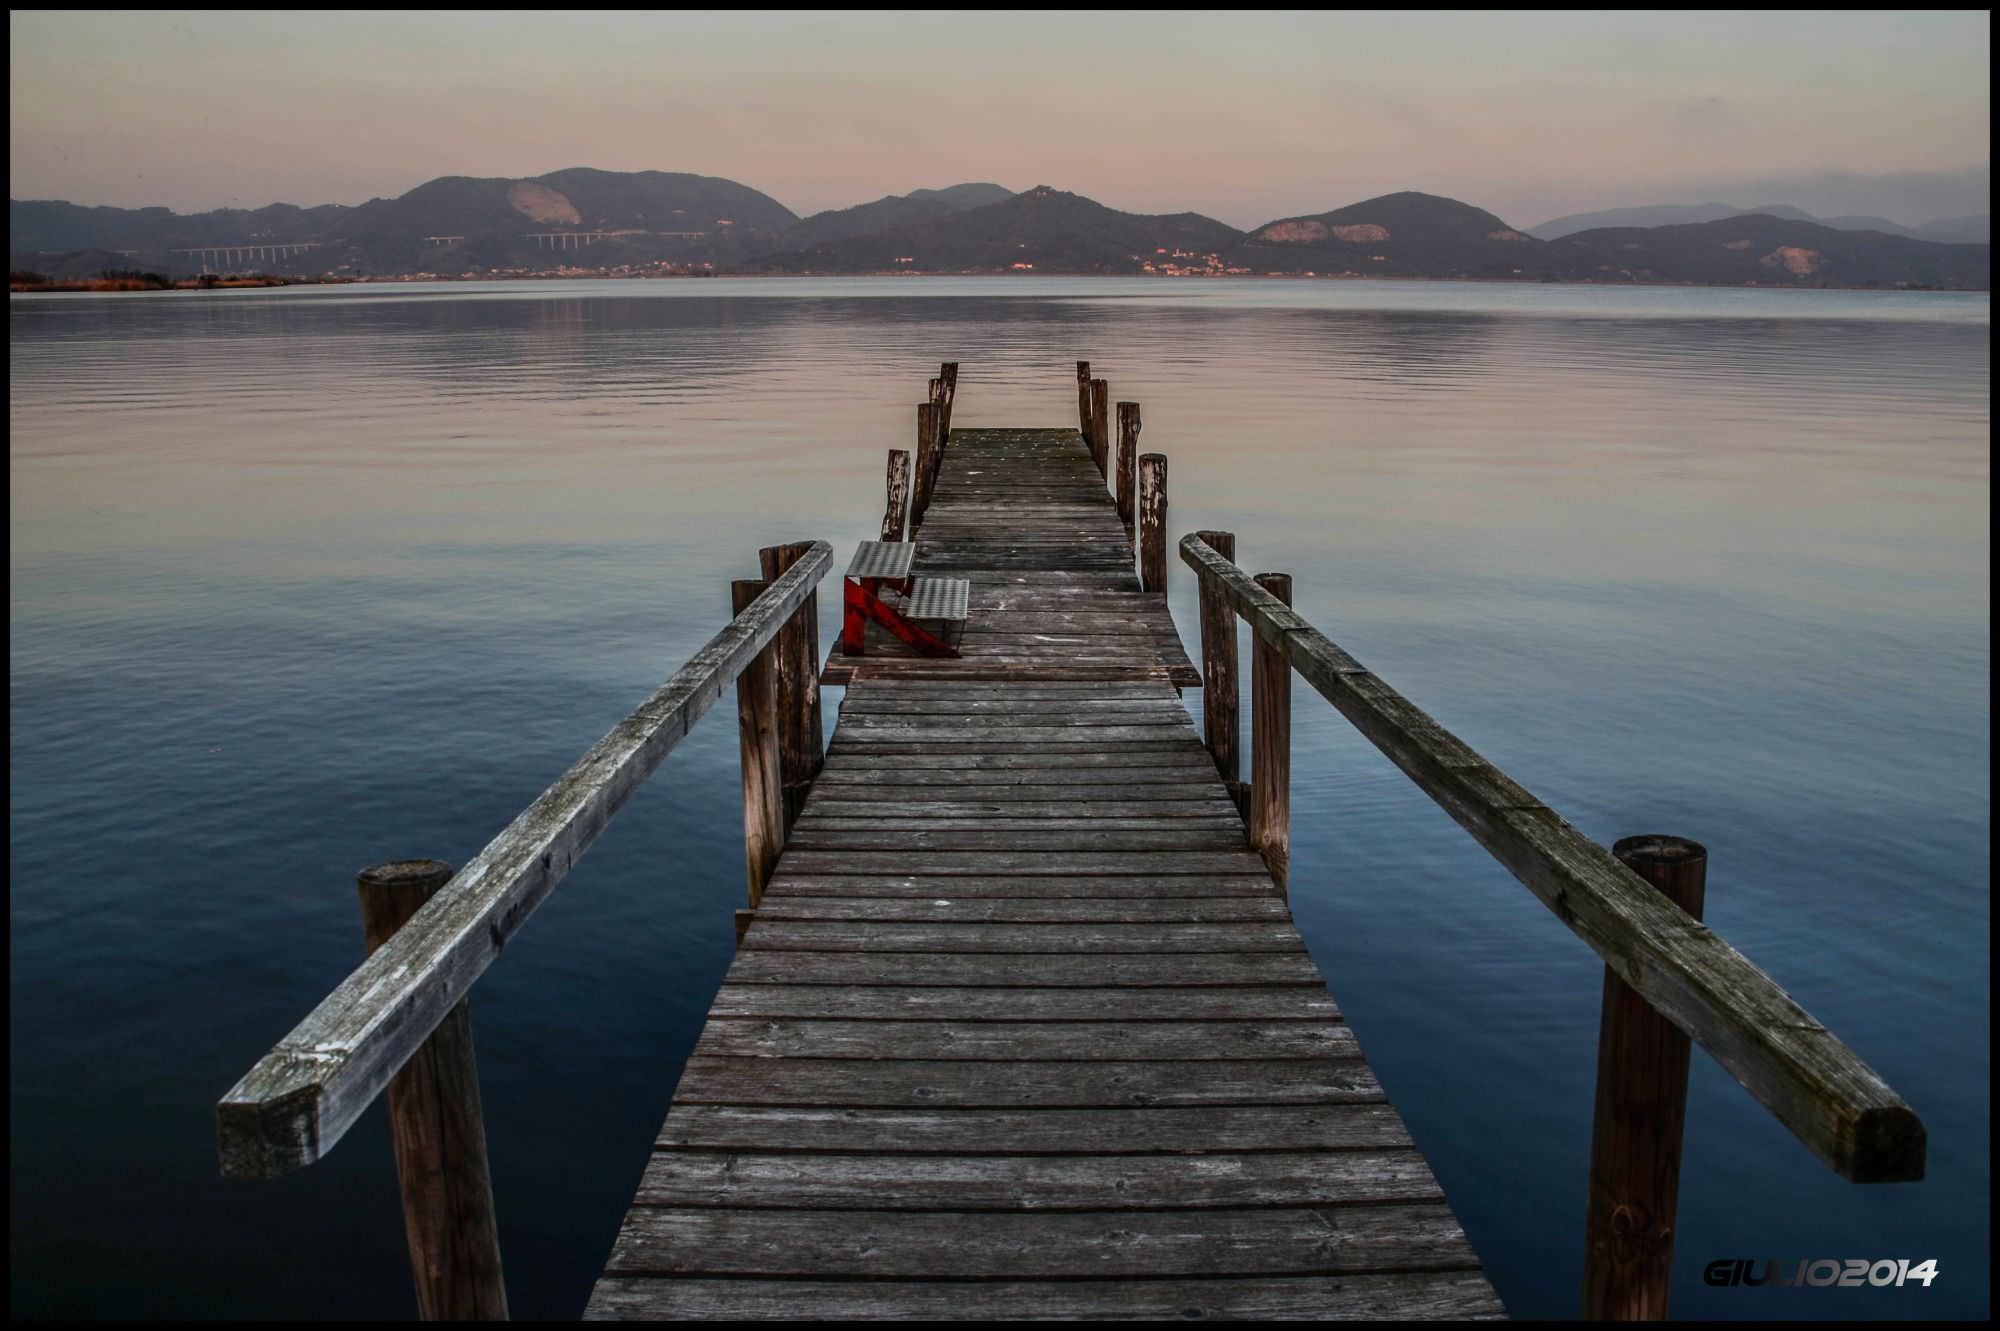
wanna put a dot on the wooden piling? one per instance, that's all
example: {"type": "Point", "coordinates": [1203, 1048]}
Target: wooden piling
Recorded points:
{"type": "Point", "coordinates": [948, 372]}
{"type": "Point", "coordinates": [1125, 476]}
{"type": "Point", "coordinates": [1100, 428]}
{"type": "Point", "coordinates": [926, 461]}
{"type": "Point", "coordinates": [1153, 522]}
{"type": "Point", "coordinates": [757, 727]}
{"type": "Point", "coordinates": [438, 1130]}
{"type": "Point", "coordinates": [1271, 745]}
{"type": "Point", "coordinates": [1083, 398]}
{"type": "Point", "coordinates": [1635, 1140]}
{"type": "Point", "coordinates": [801, 743]}
{"type": "Point", "coordinates": [1219, 719]}
{"type": "Point", "coordinates": [897, 515]}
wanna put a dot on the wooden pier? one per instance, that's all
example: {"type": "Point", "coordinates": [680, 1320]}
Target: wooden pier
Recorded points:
{"type": "Point", "coordinates": [1019, 1024]}
{"type": "Point", "coordinates": [1022, 1026]}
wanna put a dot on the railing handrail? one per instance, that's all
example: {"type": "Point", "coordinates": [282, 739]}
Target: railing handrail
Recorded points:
{"type": "Point", "coordinates": [295, 1104]}
{"type": "Point", "coordinates": [1834, 1103]}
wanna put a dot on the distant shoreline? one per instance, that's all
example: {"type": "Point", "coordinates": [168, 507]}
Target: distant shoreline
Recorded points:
{"type": "Point", "coordinates": [104, 286]}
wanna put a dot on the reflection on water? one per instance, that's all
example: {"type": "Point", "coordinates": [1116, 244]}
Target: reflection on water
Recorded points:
{"type": "Point", "coordinates": [304, 579]}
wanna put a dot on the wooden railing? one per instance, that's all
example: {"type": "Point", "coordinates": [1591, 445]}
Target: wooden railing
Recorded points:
{"type": "Point", "coordinates": [398, 1020]}
{"type": "Point", "coordinates": [1691, 982]}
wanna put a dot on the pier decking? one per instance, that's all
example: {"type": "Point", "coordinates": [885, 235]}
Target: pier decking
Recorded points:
{"type": "Point", "coordinates": [1022, 1027]}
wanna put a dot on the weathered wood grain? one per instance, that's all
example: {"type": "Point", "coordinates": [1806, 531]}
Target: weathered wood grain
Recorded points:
{"type": "Point", "coordinates": [1834, 1103]}
{"type": "Point", "coordinates": [1271, 745]}
{"type": "Point", "coordinates": [1319, 1240]}
{"type": "Point", "coordinates": [1035, 1183]}
{"type": "Point", "coordinates": [1219, 723]}
{"type": "Point", "coordinates": [801, 742]}
{"type": "Point", "coordinates": [757, 733]}
{"type": "Point", "coordinates": [1144, 1129]}
{"type": "Point", "coordinates": [1020, 1084]}
{"type": "Point", "coordinates": [896, 517]}
{"type": "Point", "coordinates": [301, 1098]}
{"type": "Point", "coordinates": [1441, 1295]}
{"type": "Point", "coordinates": [974, 1003]}
{"type": "Point", "coordinates": [1153, 522]}
{"type": "Point", "coordinates": [438, 1130]}
{"type": "Point", "coordinates": [1152, 970]}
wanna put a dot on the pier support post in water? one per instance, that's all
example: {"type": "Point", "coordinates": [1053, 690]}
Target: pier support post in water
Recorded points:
{"type": "Point", "coordinates": [1100, 426]}
{"type": "Point", "coordinates": [1153, 522]}
{"type": "Point", "coordinates": [1125, 484]}
{"type": "Point", "coordinates": [757, 725]}
{"type": "Point", "coordinates": [801, 748]}
{"type": "Point", "coordinates": [1083, 399]}
{"type": "Point", "coordinates": [1271, 745]}
{"type": "Point", "coordinates": [1635, 1138]}
{"type": "Point", "coordinates": [1219, 723]}
{"type": "Point", "coordinates": [438, 1131]}
{"type": "Point", "coordinates": [897, 515]}
{"type": "Point", "coordinates": [926, 461]}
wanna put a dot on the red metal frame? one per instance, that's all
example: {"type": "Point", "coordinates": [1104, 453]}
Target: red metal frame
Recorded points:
{"type": "Point", "coordinates": [861, 603]}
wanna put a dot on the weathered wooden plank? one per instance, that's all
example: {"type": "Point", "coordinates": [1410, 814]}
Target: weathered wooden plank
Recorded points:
{"type": "Point", "coordinates": [1181, 757]}
{"type": "Point", "coordinates": [822, 836]}
{"type": "Point", "coordinates": [1030, 910]}
{"type": "Point", "coordinates": [1146, 1130]}
{"type": "Point", "coordinates": [975, 1003]}
{"type": "Point", "coordinates": [1108, 795]}
{"type": "Point", "coordinates": [873, 818]}
{"type": "Point", "coordinates": [302, 1097]}
{"type": "Point", "coordinates": [1098, 1083]}
{"type": "Point", "coordinates": [1001, 969]}
{"type": "Point", "coordinates": [1443, 1295]}
{"type": "Point", "coordinates": [1067, 864]}
{"type": "Point", "coordinates": [1138, 782]}
{"type": "Point", "coordinates": [1146, 887]}
{"type": "Point", "coordinates": [987, 1244]}
{"type": "Point", "coordinates": [824, 936]}
{"type": "Point", "coordinates": [1105, 801]}
{"type": "Point", "coordinates": [1834, 1103]}
{"type": "Point", "coordinates": [1035, 1183]}
{"type": "Point", "coordinates": [990, 1041]}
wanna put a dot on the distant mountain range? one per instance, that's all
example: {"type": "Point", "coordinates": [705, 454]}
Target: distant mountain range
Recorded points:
{"type": "Point", "coordinates": [1953, 231]}
{"type": "Point", "coordinates": [637, 221]}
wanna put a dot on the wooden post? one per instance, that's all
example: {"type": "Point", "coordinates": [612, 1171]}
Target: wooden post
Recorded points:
{"type": "Point", "coordinates": [1083, 398]}
{"type": "Point", "coordinates": [1127, 478]}
{"type": "Point", "coordinates": [1271, 745]}
{"type": "Point", "coordinates": [926, 464]}
{"type": "Point", "coordinates": [1635, 1138]}
{"type": "Point", "coordinates": [439, 1133]}
{"type": "Point", "coordinates": [1219, 721]}
{"type": "Point", "coordinates": [801, 746]}
{"type": "Point", "coordinates": [1153, 522]}
{"type": "Point", "coordinates": [948, 371]}
{"type": "Point", "coordinates": [1100, 428]}
{"type": "Point", "coordinates": [757, 726]}
{"type": "Point", "coordinates": [898, 512]}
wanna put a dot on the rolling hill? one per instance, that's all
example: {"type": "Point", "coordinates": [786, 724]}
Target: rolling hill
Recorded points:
{"type": "Point", "coordinates": [895, 210]}
{"type": "Point", "coordinates": [1042, 229]}
{"type": "Point", "coordinates": [1768, 251]}
{"type": "Point", "coordinates": [1396, 235]}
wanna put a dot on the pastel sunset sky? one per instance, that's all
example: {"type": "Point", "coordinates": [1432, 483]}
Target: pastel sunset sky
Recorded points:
{"type": "Point", "coordinates": [1244, 116]}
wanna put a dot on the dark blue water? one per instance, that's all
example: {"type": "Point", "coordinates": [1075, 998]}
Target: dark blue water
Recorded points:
{"type": "Point", "coordinates": [305, 579]}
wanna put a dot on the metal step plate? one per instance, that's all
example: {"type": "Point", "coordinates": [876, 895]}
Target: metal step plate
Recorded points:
{"type": "Point", "coordinates": [882, 559]}
{"type": "Point", "coordinates": [937, 598]}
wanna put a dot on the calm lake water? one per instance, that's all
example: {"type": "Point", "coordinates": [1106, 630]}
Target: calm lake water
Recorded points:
{"type": "Point", "coordinates": [310, 578]}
